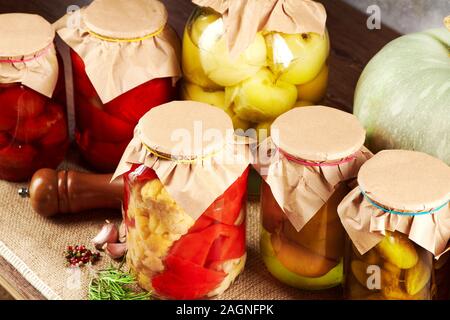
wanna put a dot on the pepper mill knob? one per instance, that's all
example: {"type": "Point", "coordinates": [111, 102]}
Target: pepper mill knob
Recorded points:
{"type": "Point", "coordinates": [52, 192]}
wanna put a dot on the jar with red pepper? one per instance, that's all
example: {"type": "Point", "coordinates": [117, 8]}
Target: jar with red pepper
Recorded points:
{"type": "Point", "coordinates": [33, 121]}
{"type": "Point", "coordinates": [122, 67]}
{"type": "Point", "coordinates": [184, 206]}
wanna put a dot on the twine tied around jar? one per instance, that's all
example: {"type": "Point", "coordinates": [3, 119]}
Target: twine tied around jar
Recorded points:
{"type": "Point", "coordinates": [410, 214]}
{"type": "Point", "coordinates": [316, 164]}
{"type": "Point", "coordinates": [111, 39]}
{"type": "Point", "coordinates": [33, 57]}
{"type": "Point", "coordinates": [179, 160]}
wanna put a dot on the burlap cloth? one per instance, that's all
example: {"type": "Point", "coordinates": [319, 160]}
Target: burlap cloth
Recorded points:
{"type": "Point", "coordinates": [34, 245]}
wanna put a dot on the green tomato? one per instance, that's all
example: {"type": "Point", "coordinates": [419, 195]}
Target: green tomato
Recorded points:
{"type": "Point", "coordinates": [333, 278]}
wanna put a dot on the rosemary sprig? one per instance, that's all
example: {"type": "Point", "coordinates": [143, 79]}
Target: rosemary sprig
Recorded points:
{"type": "Point", "coordinates": [114, 284]}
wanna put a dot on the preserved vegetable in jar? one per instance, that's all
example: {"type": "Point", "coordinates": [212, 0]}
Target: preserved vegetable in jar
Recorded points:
{"type": "Point", "coordinates": [256, 59]}
{"type": "Point", "coordinates": [306, 164]}
{"type": "Point", "coordinates": [395, 240]}
{"type": "Point", "coordinates": [185, 220]}
{"type": "Point", "coordinates": [33, 121]}
{"type": "Point", "coordinates": [122, 67]}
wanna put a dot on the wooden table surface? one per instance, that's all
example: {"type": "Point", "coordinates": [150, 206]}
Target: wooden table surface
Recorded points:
{"type": "Point", "coordinates": [352, 46]}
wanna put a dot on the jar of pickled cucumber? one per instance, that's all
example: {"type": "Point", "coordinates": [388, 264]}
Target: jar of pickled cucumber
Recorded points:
{"type": "Point", "coordinates": [397, 225]}
{"type": "Point", "coordinates": [255, 59]}
{"type": "Point", "coordinates": [33, 121]}
{"type": "Point", "coordinates": [306, 164]}
{"type": "Point", "coordinates": [184, 206]}
{"type": "Point", "coordinates": [122, 67]}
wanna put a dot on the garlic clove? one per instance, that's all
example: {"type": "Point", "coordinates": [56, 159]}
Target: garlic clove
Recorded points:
{"type": "Point", "coordinates": [108, 233]}
{"type": "Point", "coordinates": [115, 250]}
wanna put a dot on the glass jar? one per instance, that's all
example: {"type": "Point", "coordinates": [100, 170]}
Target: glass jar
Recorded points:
{"type": "Point", "coordinates": [276, 72]}
{"type": "Point", "coordinates": [311, 258]}
{"type": "Point", "coordinates": [394, 236]}
{"type": "Point", "coordinates": [174, 256]}
{"type": "Point", "coordinates": [103, 131]}
{"type": "Point", "coordinates": [306, 171]}
{"type": "Point", "coordinates": [122, 67]}
{"type": "Point", "coordinates": [395, 269]}
{"type": "Point", "coordinates": [184, 204]}
{"type": "Point", "coordinates": [33, 122]}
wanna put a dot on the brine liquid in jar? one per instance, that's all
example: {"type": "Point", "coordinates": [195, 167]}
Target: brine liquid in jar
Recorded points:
{"type": "Point", "coordinates": [274, 73]}
{"type": "Point", "coordinates": [174, 256]}
{"type": "Point", "coordinates": [311, 258]}
{"type": "Point", "coordinates": [33, 119]}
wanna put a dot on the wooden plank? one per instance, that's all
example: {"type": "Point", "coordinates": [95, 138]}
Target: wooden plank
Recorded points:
{"type": "Point", "coordinates": [15, 284]}
{"type": "Point", "coordinates": [352, 47]}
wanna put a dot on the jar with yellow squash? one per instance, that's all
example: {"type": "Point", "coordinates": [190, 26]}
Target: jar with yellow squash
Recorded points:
{"type": "Point", "coordinates": [303, 241]}
{"type": "Point", "coordinates": [395, 237]}
{"type": "Point", "coordinates": [184, 206]}
{"type": "Point", "coordinates": [255, 61]}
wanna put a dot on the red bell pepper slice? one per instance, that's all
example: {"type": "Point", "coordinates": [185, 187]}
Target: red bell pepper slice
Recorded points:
{"type": "Point", "coordinates": [133, 104]}
{"type": "Point", "coordinates": [6, 123]}
{"type": "Point", "coordinates": [216, 242]}
{"type": "Point", "coordinates": [17, 156]}
{"type": "Point", "coordinates": [195, 246]}
{"type": "Point", "coordinates": [5, 140]}
{"type": "Point", "coordinates": [103, 156]}
{"type": "Point", "coordinates": [32, 129]}
{"type": "Point", "coordinates": [21, 102]}
{"type": "Point", "coordinates": [81, 82]}
{"type": "Point", "coordinates": [226, 209]}
{"type": "Point", "coordinates": [183, 279]}
{"type": "Point", "coordinates": [56, 135]}
{"type": "Point", "coordinates": [228, 246]}
{"type": "Point", "coordinates": [202, 223]}
{"type": "Point", "coordinates": [140, 173]}
{"type": "Point", "coordinates": [102, 126]}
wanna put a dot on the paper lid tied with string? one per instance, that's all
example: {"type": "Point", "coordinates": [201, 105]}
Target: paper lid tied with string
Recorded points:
{"type": "Point", "coordinates": [27, 52]}
{"type": "Point", "coordinates": [243, 19]}
{"type": "Point", "coordinates": [193, 150]}
{"type": "Point", "coordinates": [122, 43]}
{"type": "Point", "coordinates": [399, 190]}
{"type": "Point", "coordinates": [311, 151]}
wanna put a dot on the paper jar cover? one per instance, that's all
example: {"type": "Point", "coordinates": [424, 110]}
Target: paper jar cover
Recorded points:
{"type": "Point", "coordinates": [194, 176]}
{"type": "Point", "coordinates": [122, 43]}
{"type": "Point", "coordinates": [408, 183]}
{"type": "Point", "coordinates": [27, 53]}
{"type": "Point", "coordinates": [300, 188]}
{"type": "Point", "coordinates": [243, 19]}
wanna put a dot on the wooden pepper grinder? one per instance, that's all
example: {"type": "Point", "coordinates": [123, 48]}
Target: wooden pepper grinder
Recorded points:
{"type": "Point", "coordinates": [53, 192]}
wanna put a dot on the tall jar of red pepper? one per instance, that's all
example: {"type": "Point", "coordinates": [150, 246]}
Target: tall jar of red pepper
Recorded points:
{"type": "Point", "coordinates": [33, 122]}
{"type": "Point", "coordinates": [125, 62]}
{"type": "Point", "coordinates": [184, 206]}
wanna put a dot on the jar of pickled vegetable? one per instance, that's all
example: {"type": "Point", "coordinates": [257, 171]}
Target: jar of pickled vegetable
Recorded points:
{"type": "Point", "coordinates": [33, 121]}
{"type": "Point", "coordinates": [256, 59]}
{"type": "Point", "coordinates": [184, 206]}
{"type": "Point", "coordinates": [397, 225]}
{"type": "Point", "coordinates": [122, 67]}
{"type": "Point", "coordinates": [306, 164]}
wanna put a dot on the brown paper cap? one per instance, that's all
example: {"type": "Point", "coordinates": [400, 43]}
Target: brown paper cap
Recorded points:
{"type": "Point", "coordinates": [318, 133]}
{"type": "Point", "coordinates": [162, 127]}
{"type": "Point", "coordinates": [405, 180]}
{"type": "Point", "coordinates": [24, 34]}
{"type": "Point", "coordinates": [125, 19]}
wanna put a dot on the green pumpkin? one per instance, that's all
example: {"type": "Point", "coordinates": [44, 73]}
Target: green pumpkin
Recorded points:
{"type": "Point", "coordinates": [403, 95]}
